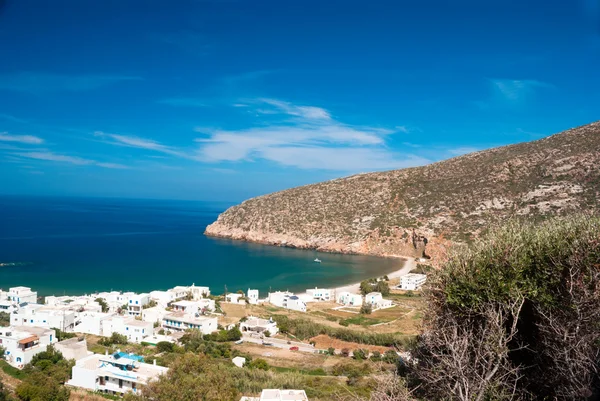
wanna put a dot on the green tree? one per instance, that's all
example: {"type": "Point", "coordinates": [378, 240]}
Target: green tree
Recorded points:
{"type": "Point", "coordinates": [258, 364]}
{"type": "Point", "coordinates": [165, 346]}
{"type": "Point", "coordinates": [103, 304]}
{"type": "Point", "coordinates": [366, 287]}
{"type": "Point", "coordinates": [366, 309]}
{"type": "Point", "coordinates": [4, 319]}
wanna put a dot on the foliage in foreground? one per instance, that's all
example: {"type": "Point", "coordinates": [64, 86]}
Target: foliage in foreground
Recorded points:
{"type": "Point", "coordinates": [515, 316]}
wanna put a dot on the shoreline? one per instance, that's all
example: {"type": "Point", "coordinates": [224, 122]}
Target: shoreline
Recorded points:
{"type": "Point", "coordinates": [408, 264]}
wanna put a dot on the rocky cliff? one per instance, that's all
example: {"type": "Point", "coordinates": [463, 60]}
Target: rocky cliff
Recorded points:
{"type": "Point", "coordinates": [403, 212]}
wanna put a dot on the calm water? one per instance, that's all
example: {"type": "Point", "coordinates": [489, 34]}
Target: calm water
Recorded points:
{"type": "Point", "coordinates": [80, 245]}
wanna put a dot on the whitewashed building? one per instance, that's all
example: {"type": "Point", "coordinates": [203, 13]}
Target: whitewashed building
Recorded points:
{"type": "Point", "coordinates": [258, 325]}
{"type": "Point", "coordinates": [234, 298]}
{"type": "Point", "coordinates": [179, 321]}
{"type": "Point", "coordinates": [136, 302]}
{"type": "Point", "coordinates": [412, 281]}
{"type": "Point", "coordinates": [44, 316]}
{"type": "Point", "coordinates": [375, 299]}
{"type": "Point", "coordinates": [21, 295]}
{"type": "Point", "coordinates": [349, 299]}
{"type": "Point", "coordinates": [92, 322]}
{"type": "Point", "coordinates": [135, 330]}
{"type": "Point", "coordinates": [253, 296]}
{"type": "Point", "coordinates": [111, 375]}
{"type": "Point", "coordinates": [154, 315]}
{"type": "Point", "coordinates": [321, 294]}
{"type": "Point", "coordinates": [287, 300]}
{"type": "Point", "coordinates": [22, 343]}
{"type": "Point", "coordinates": [73, 348]}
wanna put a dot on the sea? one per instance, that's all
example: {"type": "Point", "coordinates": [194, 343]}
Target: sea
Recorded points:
{"type": "Point", "coordinates": [74, 246]}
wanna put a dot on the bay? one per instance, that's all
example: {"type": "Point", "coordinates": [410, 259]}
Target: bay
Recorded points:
{"type": "Point", "coordinates": [81, 245]}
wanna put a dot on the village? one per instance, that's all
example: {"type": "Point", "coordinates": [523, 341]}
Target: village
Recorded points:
{"type": "Point", "coordinates": [165, 316]}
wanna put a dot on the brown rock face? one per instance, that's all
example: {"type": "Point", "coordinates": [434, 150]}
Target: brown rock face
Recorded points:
{"type": "Point", "coordinates": [403, 212]}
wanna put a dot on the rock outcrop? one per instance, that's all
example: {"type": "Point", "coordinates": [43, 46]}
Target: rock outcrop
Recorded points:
{"type": "Point", "coordinates": [409, 211]}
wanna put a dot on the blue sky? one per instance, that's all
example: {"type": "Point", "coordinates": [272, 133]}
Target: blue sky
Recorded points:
{"type": "Point", "coordinates": [223, 100]}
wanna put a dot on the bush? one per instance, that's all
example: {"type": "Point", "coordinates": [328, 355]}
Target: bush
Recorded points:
{"type": "Point", "coordinates": [390, 356]}
{"type": "Point", "coordinates": [360, 354]}
{"type": "Point", "coordinates": [165, 346]}
{"type": "Point", "coordinates": [4, 319]}
{"type": "Point", "coordinates": [114, 339]}
{"type": "Point", "coordinates": [375, 356]}
{"type": "Point", "coordinates": [331, 351]}
{"type": "Point", "coordinates": [366, 309]}
{"type": "Point", "coordinates": [161, 332]}
{"type": "Point", "coordinates": [103, 304]}
{"type": "Point", "coordinates": [267, 333]}
{"type": "Point", "coordinates": [517, 309]}
{"type": "Point", "coordinates": [259, 364]}
{"type": "Point", "coordinates": [63, 335]}
{"type": "Point", "coordinates": [345, 352]}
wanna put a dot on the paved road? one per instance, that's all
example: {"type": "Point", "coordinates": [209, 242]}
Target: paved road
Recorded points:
{"type": "Point", "coordinates": [278, 343]}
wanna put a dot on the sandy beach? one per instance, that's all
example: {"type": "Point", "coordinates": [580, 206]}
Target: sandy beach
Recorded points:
{"type": "Point", "coordinates": [408, 265]}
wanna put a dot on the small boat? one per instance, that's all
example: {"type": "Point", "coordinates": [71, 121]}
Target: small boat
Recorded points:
{"type": "Point", "coordinates": [317, 260]}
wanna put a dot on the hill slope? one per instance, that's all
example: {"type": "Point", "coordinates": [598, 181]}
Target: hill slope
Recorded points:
{"type": "Point", "coordinates": [398, 212]}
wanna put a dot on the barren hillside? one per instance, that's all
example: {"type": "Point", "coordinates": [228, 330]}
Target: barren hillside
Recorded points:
{"type": "Point", "coordinates": [398, 212]}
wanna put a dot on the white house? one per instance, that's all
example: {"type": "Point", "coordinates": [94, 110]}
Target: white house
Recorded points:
{"type": "Point", "coordinates": [259, 325]}
{"type": "Point", "coordinates": [412, 281]}
{"type": "Point", "coordinates": [234, 298]}
{"type": "Point", "coordinates": [287, 300]}
{"type": "Point", "coordinates": [112, 375]}
{"type": "Point", "coordinates": [92, 322]}
{"type": "Point", "coordinates": [135, 330]}
{"type": "Point", "coordinates": [278, 395]}
{"type": "Point", "coordinates": [73, 348]}
{"type": "Point", "coordinates": [21, 294]}
{"type": "Point", "coordinates": [155, 314]}
{"type": "Point", "coordinates": [252, 296]}
{"type": "Point", "coordinates": [8, 306]}
{"type": "Point", "coordinates": [22, 343]}
{"type": "Point", "coordinates": [349, 299]}
{"type": "Point", "coordinates": [321, 294]}
{"type": "Point", "coordinates": [375, 299]}
{"type": "Point", "coordinates": [179, 321]}
{"type": "Point", "coordinates": [136, 302]}
{"type": "Point", "coordinates": [44, 316]}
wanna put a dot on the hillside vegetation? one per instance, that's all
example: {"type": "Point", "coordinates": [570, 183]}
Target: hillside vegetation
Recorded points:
{"type": "Point", "coordinates": [399, 212]}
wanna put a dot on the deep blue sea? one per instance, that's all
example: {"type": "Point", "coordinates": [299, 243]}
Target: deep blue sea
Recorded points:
{"type": "Point", "coordinates": [80, 245]}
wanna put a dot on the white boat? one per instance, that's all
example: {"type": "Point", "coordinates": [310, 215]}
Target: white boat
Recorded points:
{"type": "Point", "coordinates": [317, 260]}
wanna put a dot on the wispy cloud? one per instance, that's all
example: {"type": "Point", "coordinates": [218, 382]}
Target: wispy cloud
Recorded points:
{"type": "Point", "coordinates": [463, 150]}
{"type": "Point", "coordinates": [511, 92]}
{"type": "Point", "coordinates": [36, 82]}
{"type": "Point", "coordinates": [66, 159]}
{"type": "Point", "coordinates": [137, 142]}
{"type": "Point", "coordinates": [312, 139]}
{"type": "Point", "coordinates": [50, 156]}
{"type": "Point", "coordinates": [25, 139]}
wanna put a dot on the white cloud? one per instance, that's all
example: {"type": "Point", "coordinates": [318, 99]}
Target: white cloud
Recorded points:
{"type": "Point", "coordinates": [137, 142]}
{"type": "Point", "coordinates": [79, 161]}
{"type": "Point", "coordinates": [313, 140]}
{"type": "Point", "coordinates": [50, 156]}
{"type": "Point", "coordinates": [305, 112]}
{"type": "Point", "coordinates": [515, 90]}
{"type": "Point", "coordinates": [26, 139]}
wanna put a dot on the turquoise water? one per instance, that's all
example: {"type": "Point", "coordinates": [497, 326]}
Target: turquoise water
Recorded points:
{"type": "Point", "coordinates": [80, 245]}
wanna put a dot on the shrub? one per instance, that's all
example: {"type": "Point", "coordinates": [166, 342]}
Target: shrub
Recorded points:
{"type": "Point", "coordinates": [516, 309]}
{"type": "Point", "coordinates": [63, 335]}
{"type": "Point", "coordinates": [331, 351]}
{"type": "Point", "coordinates": [366, 309]}
{"type": "Point", "coordinates": [259, 364]}
{"type": "Point", "coordinates": [114, 339]}
{"type": "Point", "coordinates": [360, 354]}
{"type": "Point", "coordinates": [165, 346]}
{"type": "Point", "coordinates": [390, 356]}
{"type": "Point", "coordinates": [103, 304]}
{"type": "Point", "coordinates": [345, 352]}
{"type": "Point", "coordinates": [375, 356]}
{"type": "Point", "coordinates": [267, 333]}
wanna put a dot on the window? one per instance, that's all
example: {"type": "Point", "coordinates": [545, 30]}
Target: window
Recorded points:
{"type": "Point", "coordinates": [136, 302]}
